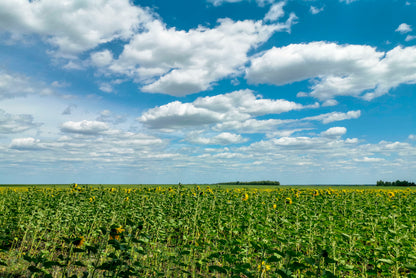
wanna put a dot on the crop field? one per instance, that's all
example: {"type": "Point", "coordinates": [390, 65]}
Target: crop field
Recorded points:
{"type": "Point", "coordinates": [192, 231]}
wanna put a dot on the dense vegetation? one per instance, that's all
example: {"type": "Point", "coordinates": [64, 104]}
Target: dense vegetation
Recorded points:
{"type": "Point", "coordinates": [207, 232]}
{"type": "Point", "coordinates": [395, 183]}
{"type": "Point", "coordinates": [241, 183]}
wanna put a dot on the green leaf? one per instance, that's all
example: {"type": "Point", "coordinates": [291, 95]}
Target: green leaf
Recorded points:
{"type": "Point", "coordinates": [30, 259]}
{"type": "Point", "coordinates": [33, 269]}
{"type": "Point", "coordinates": [411, 267]}
{"type": "Point", "coordinates": [92, 249]}
{"type": "Point", "coordinates": [214, 255]}
{"type": "Point", "coordinates": [329, 260]}
{"type": "Point", "coordinates": [328, 274]}
{"type": "Point", "coordinates": [274, 259]}
{"type": "Point", "coordinates": [79, 263]}
{"type": "Point", "coordinates": [103, 230]}
{"type": "Point", "coordinates": [284, 273]}
{"type": "Point", "coordinates": [348, 267]}
{"type": "Point", "coordinates": [185, 252]}
{"type": "Point", "coordinates": [49, 264]}
{"type": "Point", "coordinates": [310, 261]}
{"type": "Point", "coordinates": [217, 269]}
{"type": "Point", "coordinates": [297, 265]}
{"type": "Point", "coordinates": [387, 261]}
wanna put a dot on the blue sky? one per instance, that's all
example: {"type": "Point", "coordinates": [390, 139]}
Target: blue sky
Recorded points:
{"type": "Point", "coordinates": [205, 91]}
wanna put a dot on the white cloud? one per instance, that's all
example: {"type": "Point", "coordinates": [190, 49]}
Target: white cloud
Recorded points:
{"type": "Point", "coordinates": [72, 26]}
{"type": "Point", "coordinates": [261, 3]}
{"type": "Point", "coordinates": [412, 137]}
{"type": "Point", "coordinates": [330, 102]}
{"type": "Point", "coordinates": [238, 106]}
{"type": "Point", "coordinates": [245, 101]}
{"type": "Point", "coordinates": [106, 87]}
{"type": "Point", "coordinates": [60, 84]}
{"type": "Point", "coordinates": [334, 131]}
{"type": "Point", "coordinates": [315, 10]}
{"type": "Point", "coordinates": [336, 70]}
{"type": "Point", "coordinates": [347, 1]}
{"type": "Point", "coordinates": [224, 138]}
{"type": "Point", "coordinates": [16, 85]}
{"type": "Point", "coordinates": [369, 159]}
{"type": "Point", "coordinates": [284, 133]}
{"type": "Point", "coordinates": [25, 144]}
{"type": "Point", "coordinates": [85, 127]}
{"type": "Point", "coordinates": [177, 62]}
{"type": "Point", "coordinates": [220, 2]}
{"type": "Point", "coordinates": [10, 123]}
{"type": "Point", "coordinates": [102, 58]}
{"type": "Point", "coordinates": [404, 28]}
{"type": "Point", "coordinates": [178, 115]}
{"type": "Point", "coordinates": [275, 12]}
{"type": "Point", "coordinates": [335, 116]}
{"type": "Point", "coordinates": [109, 117]}
{"type": "Point", "coordinates": [409, 38]}
{"type": "Point", "coordinates": [250, 125]}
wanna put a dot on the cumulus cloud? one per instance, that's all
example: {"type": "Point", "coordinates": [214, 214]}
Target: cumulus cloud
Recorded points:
{"type": "Point", "coordinates": [250, 125]}
{"type": "Point", "coordinates": [335, 116]}
{"type": "Point", "coordinates": [85, 127]}
{"type": "Point", "coordinates": [336, 70]}
{"type": "Point", "coordinates": [102, 58]}
{"type": "Point", "coordinates": [177, 114]}
{"type": "Point", "coordinates": [10, 123]}
{"type": "Point", "coordinates": [74, 26]}
{"type": "Point", "coordinates": [224, 138]}
{"type": "Point", "coordinates": [404, 28]}
{"type": "Point", "coordinates": [237, 106]}
{"type": "Point", "coordinates": [334, 131]}
{"type": "Point", "coordinates": [176, 62]}
{"type": "Point", "coordinates": [25, 144]}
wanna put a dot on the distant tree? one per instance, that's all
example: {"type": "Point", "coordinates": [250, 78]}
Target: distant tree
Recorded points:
{"type": "Point", "coordinates": [395, 183]}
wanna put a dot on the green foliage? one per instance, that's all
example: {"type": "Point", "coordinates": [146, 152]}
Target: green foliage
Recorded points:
{"type": "Point", "coordinates": [150, 231]}
{"type": "Point", "coordinates": [395, 183]}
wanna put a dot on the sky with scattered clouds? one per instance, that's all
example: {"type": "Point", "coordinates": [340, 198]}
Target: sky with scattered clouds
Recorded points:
{"type": "Point", "coordinates": [206, 91]}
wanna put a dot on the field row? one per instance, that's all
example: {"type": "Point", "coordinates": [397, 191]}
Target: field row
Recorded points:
{"type": "Point", "coordinates": [85, 231]}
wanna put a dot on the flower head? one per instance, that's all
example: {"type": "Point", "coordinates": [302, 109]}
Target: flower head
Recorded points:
{"type": "Point", "coordinates": [245, 197]}
{"type": "Point", "coordinates": [263, 267]}
{"type": "Point", "coordinates": [78, 242]}
{"type": "Point", "coordinates": [115, 233]}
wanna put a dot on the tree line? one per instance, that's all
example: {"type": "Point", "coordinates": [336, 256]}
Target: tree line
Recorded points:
{"type": "Point", "coordinates": [395, 183]}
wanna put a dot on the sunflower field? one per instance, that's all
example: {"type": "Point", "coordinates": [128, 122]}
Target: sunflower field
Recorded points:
{"type": "Point", "coordinates": [193, 231]}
